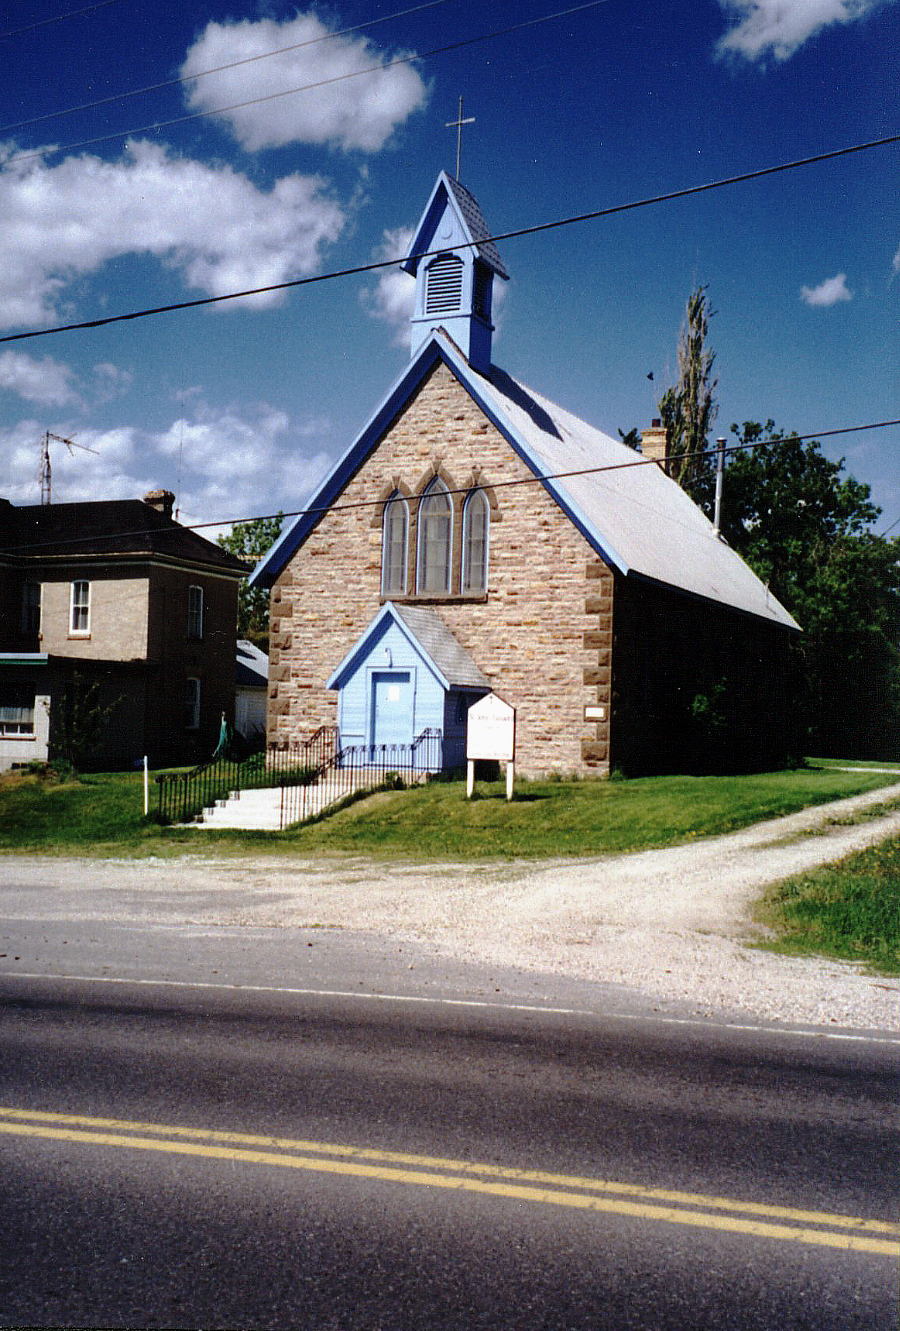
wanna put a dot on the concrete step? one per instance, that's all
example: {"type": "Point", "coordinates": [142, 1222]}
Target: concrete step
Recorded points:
{"type": "Point", "coordinates": [250, 809]}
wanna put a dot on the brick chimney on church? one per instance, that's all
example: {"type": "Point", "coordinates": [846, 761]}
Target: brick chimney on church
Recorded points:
{"type": "Point", "coordinates": [655, 444]}
{"type": "Point", "coordinates": [161, 500]}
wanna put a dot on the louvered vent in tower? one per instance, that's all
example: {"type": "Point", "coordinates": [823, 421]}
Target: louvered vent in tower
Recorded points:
{"type": "Point", "coordinates": [444, 285]}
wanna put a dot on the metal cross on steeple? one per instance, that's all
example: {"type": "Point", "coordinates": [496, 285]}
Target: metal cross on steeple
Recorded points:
{"type": "Point", "coordinates": [457, 124]}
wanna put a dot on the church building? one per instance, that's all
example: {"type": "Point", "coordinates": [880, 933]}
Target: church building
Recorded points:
{"type": "Point", "coordinates": [475, 537]}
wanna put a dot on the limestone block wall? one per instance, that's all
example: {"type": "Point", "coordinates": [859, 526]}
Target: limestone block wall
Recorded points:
{"type": "Point", "coordinates": [118, 614]}
{"type": "Point", "coordinates": [543, 632]}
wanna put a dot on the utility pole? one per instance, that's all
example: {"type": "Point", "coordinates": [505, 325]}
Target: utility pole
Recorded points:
{"type": "Point", "coordinates": [720, 472]}
{"type": "Point", "coordinates": [46, 471]}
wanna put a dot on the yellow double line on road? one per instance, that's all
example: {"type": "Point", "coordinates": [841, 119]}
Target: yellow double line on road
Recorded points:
{"type": "Point", "coordinates": [851, 1233]}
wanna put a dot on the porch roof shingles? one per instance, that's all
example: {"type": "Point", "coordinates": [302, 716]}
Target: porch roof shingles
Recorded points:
{"type": "Point", "coordinates": [436, 640]}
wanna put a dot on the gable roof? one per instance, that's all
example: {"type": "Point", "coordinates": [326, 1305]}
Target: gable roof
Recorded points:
{"type": "Point", "coordinates": [106, 527]}
{"type": "Point", "coordinates": [466, 209]}
{"type": "Point", "coordinates": [251, 666]}
{"type": "Point", "coordinates": [634, 516]}
{"type": "Point", "coordinates": [429, 637]}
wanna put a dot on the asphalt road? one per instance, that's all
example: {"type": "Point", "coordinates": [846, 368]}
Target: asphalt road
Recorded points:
{"type": "Point", "coordinates": [313, 1129]}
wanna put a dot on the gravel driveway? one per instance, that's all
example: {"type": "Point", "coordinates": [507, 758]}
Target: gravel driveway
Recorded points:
{"type": "Point", "coordinates": [672, 924]}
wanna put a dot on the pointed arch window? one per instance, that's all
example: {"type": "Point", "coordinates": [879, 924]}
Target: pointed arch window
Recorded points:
{"type": "Point", "coordinates": [394, 545]}
{"type": "Point", "coordinates": [476, 530]}
{"type": "Point", "coordinates": [444, 285]}
{"type": "Point", "coordinates": [435, 540]}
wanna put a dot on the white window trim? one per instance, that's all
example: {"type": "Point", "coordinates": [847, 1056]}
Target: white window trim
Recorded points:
{"type": "Point", "coordinates": [435, 487]}
{"type": "Point", "coordinates": [81, 632]}
{"type": "Point", "coordinates": [193, 723]}
{"type": "Point", "coordinates": [196, 618]}
{"type": "Point", "coordinates": [386, 589]}
{"type": "Point", "coordinates": [465, 588]}
{"type": "Point", "coordinates": [10, 729]}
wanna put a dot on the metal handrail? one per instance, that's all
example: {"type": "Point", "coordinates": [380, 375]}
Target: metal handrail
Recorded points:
{"type": "Point", "coordinates": [184, 795]}
{"type": "Point", "coordinates": [358, 767]}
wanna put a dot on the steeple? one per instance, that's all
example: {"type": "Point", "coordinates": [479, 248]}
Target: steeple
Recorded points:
{"type": "Point", "coordinates": [454, 286]}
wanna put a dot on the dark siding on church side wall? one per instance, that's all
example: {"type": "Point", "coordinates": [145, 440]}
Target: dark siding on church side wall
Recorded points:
{"type": "Point", "coordinates": [697, 687]}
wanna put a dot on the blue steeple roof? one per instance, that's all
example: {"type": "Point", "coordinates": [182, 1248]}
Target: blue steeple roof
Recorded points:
{"type": "Point", "coordinates": [472, 229]}
{"type": "Point", "coordinates": [454, 262]}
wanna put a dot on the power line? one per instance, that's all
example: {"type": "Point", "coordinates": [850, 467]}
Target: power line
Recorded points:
{"type": "Point", "coordinates": [217, 69]}
{"type": "Point", "coordinates": [57, 18]}
{"type": "Point", "coordinates": [496, 485]}
{"type": "Point", "coordinates": [378, 265]}
{"type": "Point", "coordinates": [306, 87]}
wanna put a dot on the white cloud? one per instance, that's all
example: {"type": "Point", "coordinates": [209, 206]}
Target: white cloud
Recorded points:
{"type": "Point", "coordinates": [780, 27]}
{"type": "Point", "coordinates": [393, 298]}
{"type": "Point", "coordinates": [830, 292]}
{"type": "Point", "coordinates": [45, 381]}
{"type": "Point", "coordinates": [221, 462]}
{"type": "Point", "coordinates": [357, 112]}
{"type": "Point", "coordinates": [212, 224]}
{"type": "Point", "coordinates": [895, 265]}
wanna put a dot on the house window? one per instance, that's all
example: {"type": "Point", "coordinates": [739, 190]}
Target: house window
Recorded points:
{"type": "Point", "coordinates": [192, 704]}
{"type": "Point", "coordinates": [435, 540]}
{"type": "Point", "coordinates": [195, 612]}
{"type": "Point", "coordinates": [444, 285]}
{"type": "Point", "coordinates": [16, 710]}
{"type": "Point", "coordinates": [31, 608]}
{"type": "Point", "coordinates": [80, 611]}
{"type": "Point", "coordinates": [394, 536]}
{"type": "Point", "coordinates": [476, 522]}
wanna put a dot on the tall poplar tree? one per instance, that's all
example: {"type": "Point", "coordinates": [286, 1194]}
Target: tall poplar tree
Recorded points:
{"type": "Point", "coordinates": [688, 409]}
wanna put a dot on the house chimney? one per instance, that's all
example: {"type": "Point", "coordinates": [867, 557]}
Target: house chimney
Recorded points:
{"type": "Point", "coordinates": [161, 500]}
{"type": "Point", "coordinates": [655, 444]}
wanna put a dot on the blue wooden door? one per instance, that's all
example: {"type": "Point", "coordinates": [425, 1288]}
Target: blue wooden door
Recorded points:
{"type": "Point", "coordinates": [392, 705]}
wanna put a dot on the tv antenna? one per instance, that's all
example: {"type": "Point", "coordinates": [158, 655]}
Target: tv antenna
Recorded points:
{"type": "Point", "coordinates": [46, 472]}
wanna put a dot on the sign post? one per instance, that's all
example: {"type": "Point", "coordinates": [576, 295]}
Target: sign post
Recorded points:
{"type": "Point", "coordinates": [491, 735]}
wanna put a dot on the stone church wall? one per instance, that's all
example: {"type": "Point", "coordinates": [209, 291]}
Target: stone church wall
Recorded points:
{"type": "Point", "coordinates": [542, 634]}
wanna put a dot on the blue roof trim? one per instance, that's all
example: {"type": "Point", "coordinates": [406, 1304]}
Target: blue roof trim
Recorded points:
{"type": "Point", "coordinates": [469, 217]}
{"type": "Point", "coordinates": [24, 658]}
{"type": "Point", "coordinates": [435, 349]}
{"type": "Point", "coordinates": [363, 645]}
{"type": "Point", "coordinates": [269, 567]}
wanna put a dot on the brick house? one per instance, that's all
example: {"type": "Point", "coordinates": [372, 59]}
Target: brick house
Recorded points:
{"type": "Point", "coordinates": [477, 537]}
{"type": "Point", "coordinates": [113, 603]}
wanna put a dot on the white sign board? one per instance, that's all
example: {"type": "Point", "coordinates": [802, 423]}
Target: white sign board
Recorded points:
{"type": "Point", "coordinates": [491, 730]}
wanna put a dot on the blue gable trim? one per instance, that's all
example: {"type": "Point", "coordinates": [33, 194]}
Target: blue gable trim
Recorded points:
{"type": "Point", "coordinates": [370, 637]}
{"type": "Point", "coordinates": [268, 568]}
{"type": "Point", "coordinates": [436, 349]}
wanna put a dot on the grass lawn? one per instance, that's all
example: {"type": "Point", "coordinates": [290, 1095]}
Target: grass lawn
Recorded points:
{"type": "Point", "coordinates": [850, 909]}
{"type": "Point", "coordinates": [102, 816]}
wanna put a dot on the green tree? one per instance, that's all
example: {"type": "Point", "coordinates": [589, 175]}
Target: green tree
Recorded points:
{"type": "Point", "coordinates": [805, 529]}
{"type": "Point", "coordinates": [688, 409]}
{"type": "Point", "coordinates": [79, 721]}
{"type": "Point", "coordinates": [250, 541]}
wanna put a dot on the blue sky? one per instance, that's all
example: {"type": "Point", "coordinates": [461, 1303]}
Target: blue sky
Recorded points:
{"type": "Point", "coordinates": [239, 408]}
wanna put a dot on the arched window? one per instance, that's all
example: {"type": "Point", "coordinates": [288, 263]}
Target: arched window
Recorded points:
{"type": "Point", "coordinates": [444, 285]}
{"type": "Point", "coordinates": [394, 534]}
{"type": "Point", "coordinates": [476, 526]}
{"type": "Point", "coordinates": [435, 539]}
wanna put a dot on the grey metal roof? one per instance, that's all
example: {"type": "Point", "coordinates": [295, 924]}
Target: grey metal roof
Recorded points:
{"type": "Point", "coordinates": [433, 636]}
{"type": "Point", "coordinates": [251, 665]}
{"type": "Point", "coordinates": [475, 221]}
{"type": "Point", "coordinates": [640, 518]}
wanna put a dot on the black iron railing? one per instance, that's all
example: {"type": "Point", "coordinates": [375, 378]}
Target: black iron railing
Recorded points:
{"type": "Point", "coordinates": [184, 795]}
{"type": "Point", "coordinates": [360, 767]}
